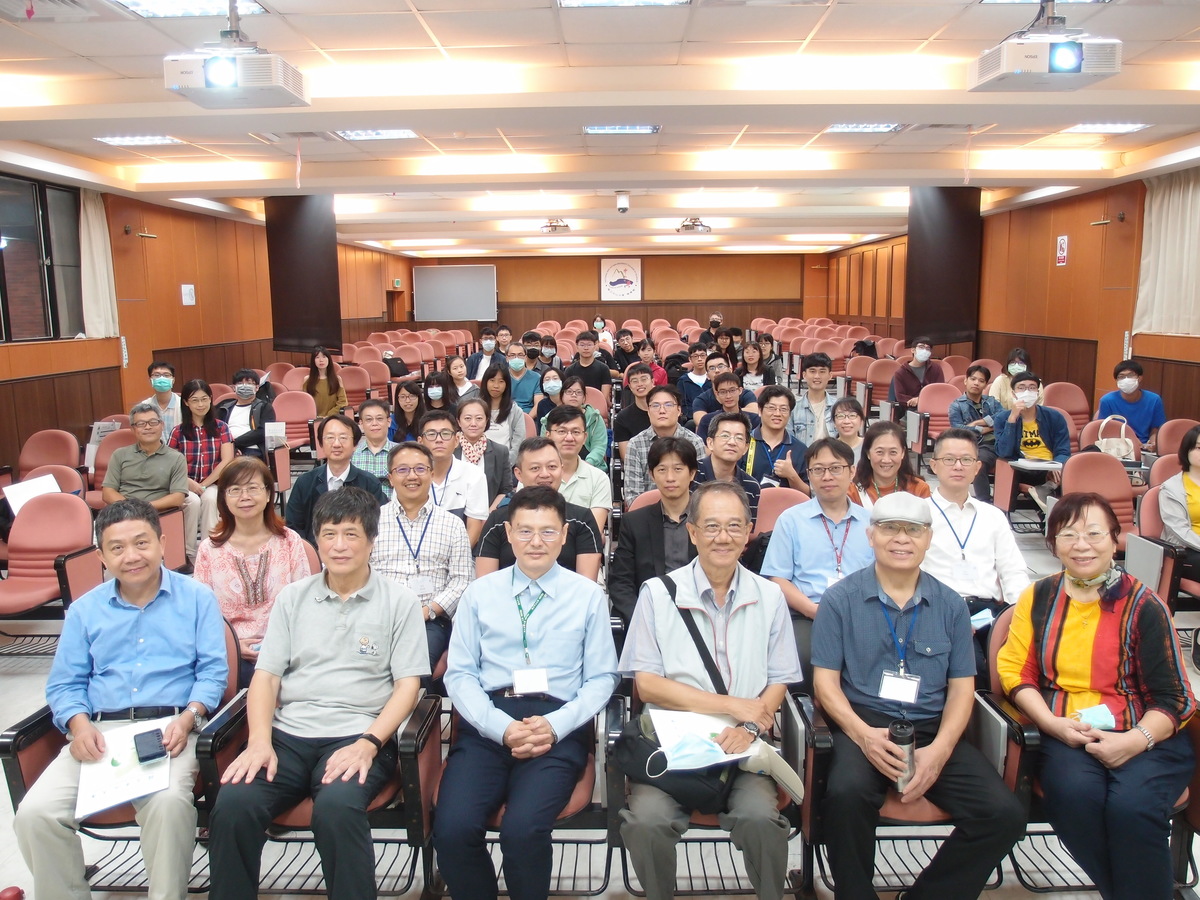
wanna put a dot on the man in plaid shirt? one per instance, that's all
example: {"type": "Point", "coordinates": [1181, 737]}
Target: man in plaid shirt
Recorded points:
{"type": "Point", "coordinates": [371, 454]}
{"type": "Point", "coordinates": [665, 404]}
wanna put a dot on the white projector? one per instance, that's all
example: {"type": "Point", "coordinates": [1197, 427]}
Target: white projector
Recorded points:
{"type": "Point", "coordinates": [1048, 64]}
{"type": "Point", "coordinates": [235, 81]}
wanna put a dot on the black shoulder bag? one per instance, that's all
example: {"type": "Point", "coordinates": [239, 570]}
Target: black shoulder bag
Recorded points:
{"type": "Point", "coordinates": [700, 790]}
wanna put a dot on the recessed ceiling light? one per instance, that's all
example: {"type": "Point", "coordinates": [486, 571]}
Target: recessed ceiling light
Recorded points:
{"type": "Point", "coordinates": [178, 9]}
{"type": "Point", "coordinates": [422, 242]}
{"type": "Point", "coordinates": [865, 128]}
{"type": "Point", "coordinates": [386, 134]}
{"type": "Point", "coordinates": [1115, 128]}
{"type": "Point", "coordinates": [140, 140]}
{"type": "Point", "coordinates": [575, 4]}
{"type": "Point", "coordinates": [621, 129]}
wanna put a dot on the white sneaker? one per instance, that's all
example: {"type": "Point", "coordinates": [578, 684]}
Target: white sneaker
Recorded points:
{"type": "Point", "coordinates": [1040, 494]}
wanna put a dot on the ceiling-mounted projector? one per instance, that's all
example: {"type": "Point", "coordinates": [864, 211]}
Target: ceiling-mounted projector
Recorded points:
{"type": "Point", "coordinates": [555, 226]}
{"type": "Point", "coordinates": [1046, 64]}
{"type": "Point", "coordinates": [235, 80]}
{"type": "Point", "coordinates": [693, 225]}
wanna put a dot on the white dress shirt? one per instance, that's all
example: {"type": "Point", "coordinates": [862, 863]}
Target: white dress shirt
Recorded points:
{"type": "Point", "coordinates": [973, 550]}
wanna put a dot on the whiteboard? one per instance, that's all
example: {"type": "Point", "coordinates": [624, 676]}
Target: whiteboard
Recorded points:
{"type": "Point", "coordinates": [454, 293]}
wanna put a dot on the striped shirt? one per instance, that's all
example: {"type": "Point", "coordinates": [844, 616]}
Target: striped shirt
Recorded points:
{"type": "Point", "coordinates": [375, 462]}
{"type": "Point", "coordinates": [1121, 651]}
{"type": "Point", "coordinates": [435, 564]}
{"type": "Point", "coordinates": [636, 474]}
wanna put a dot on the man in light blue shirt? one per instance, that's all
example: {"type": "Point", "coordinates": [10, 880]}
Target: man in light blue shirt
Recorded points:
{"type": "Point", "coordinates": [817, 543]}
{"type": "Point", "coordinates": [525, 381]}
{"type": "Point", "coordinates": [147, 646]}
{"type": "Point", "coordinates": [531, 663]}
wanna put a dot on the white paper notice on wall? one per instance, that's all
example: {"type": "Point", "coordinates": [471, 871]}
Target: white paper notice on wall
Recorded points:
{"type": "Point", "coordinates": [1060, 250]}
{"type": "Point", "coordinates": [189, 294]}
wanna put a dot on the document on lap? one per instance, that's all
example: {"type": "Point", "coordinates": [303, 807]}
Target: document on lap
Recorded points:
{"type": "Point", "coordinates": [118, 777]}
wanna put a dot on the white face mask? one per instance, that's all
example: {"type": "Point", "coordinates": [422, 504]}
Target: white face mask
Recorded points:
{"type": "Point", "coordinates": [488, 345]}
{"type": "Point", "coordinates": [1127, 385]}
{"type": "Point", "coordinates": [1014, 368]}
{"type": "Point", "coordinates": [1026, 398]}
{"type": "Point", "coordinates": [921, 355]}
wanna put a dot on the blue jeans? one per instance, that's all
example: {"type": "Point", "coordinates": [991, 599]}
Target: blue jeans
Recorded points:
{"type": "Point", "coordinates": [1116, 822]}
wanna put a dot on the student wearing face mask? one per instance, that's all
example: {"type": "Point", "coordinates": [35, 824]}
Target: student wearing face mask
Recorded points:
{"type": "Point", "coordinates": [166, 401]}
{"type": "Point", "coordinates": [1001, 389]}
{"type": "Point", "coordinates": [525, 381]}
{"type": "Point", "coordinates": [603, 335]}
{"type": "Point", "coordinates": [1142, 410]}
{"type": "Point", "coordinates": [549, 395]}
{"type": "Point", "coordinates": [478, 361]}
{"type": "Point", "coordinates": [246, 414]}
{"type": "Point", "coordinates": [710, 335]}
{"type": "Point", "coordinates": [1031, 431]}
{"type": "Point", "coordinates": [922, 370]}
{"type": "Point", "coordinates": [440, 392]}
{"type": "Point", "coordinates": [549, 358]}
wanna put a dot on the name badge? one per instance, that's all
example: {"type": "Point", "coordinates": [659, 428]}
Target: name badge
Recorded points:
{"type": "Point", "coordinates": [530, 681]}
{"type": "Point", "coordinates": [899, 687]}
{"type": "Point", "coordinates": [768, 481]}
{"type": "Point", "coordinates": [834, 579]}
{"type": "Point", "coordinates": [421, 585]}
{"type": "Point", "coordinates": [965, 571]}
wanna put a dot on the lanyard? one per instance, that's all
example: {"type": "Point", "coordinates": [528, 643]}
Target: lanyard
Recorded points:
{"type": "Point", "coordinates": [750, 457]}
{"type": "Point", "coordinates": [837, 551]}
{"type": "Point", "coordinates": [404, 534]}
{"type": "Point", "coordinates": [901, 648]}
{"type": "Point", "coordinates": [433, 492]}
{"type": "Point", "coordinates": [526, 616]}
{"type": "Point", "coordinates": [962, 545]}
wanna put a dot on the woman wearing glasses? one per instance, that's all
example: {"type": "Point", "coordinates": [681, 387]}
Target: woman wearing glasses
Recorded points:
{"type": "Point", "coordinates": [884, 467]}
{"type": "Point", "coordinates": [250, 556]}
{"type": "Point", "coordinates": [848, 419]}
{"type": "Point", "coordinates": [1092, 658]}
{"type": "Point", "coordinates": [574, 393]}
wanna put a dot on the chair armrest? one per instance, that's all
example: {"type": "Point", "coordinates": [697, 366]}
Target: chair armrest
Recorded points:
{"type": "Point", "coordinates": [818, 752]}
{"type": "Point", "coordinates": [78, 573]}
{"type": "Point", "coordinates": [6, 476]}
{"type": "Point", "coordinates": [222, 739]}
{"type": "Point", "coordinates": [1021, 729]}
{"type": "Point", "coordinates": [420, 761]}
{"type": "Point", "coordinates": [1024, 745]}
{"type": "Point", "coordinates": [26, 749]}
{"type": "Point", "coordinates": [616, 715]}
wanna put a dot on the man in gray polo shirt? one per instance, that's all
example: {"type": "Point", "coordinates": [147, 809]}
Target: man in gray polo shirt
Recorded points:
{"type": "Point", "coordinates": [891, 642]}
{"type": "Point", "coordinates": [337, 676]}
{"type": "Point", "coordinates": [150, 470]}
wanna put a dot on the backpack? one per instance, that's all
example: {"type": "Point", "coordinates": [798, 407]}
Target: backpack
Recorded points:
{"type": "Point", "coordinates": [674, 364]}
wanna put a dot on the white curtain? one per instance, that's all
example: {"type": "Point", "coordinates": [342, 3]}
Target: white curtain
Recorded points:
{"type": "Point", "coordinates": [96, 270]}
{"type": "Point", "coordinates": [1168, 300]}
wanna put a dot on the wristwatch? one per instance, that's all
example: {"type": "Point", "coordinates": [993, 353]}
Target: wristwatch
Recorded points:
{"type": "Point", "coordinates": [198, 719]}
{"type": "Point", "coordinates": [752, 727]}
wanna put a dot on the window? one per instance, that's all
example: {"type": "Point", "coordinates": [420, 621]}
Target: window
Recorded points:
{"type": "Point", "coordinates": [40, 285]}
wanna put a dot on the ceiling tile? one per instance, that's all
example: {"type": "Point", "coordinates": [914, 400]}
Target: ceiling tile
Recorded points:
{"type": "Point", "coordinates": [821, 47]}
{"type": "Point", "coordinates": [533, 55]}
{"type": "Point", "coordinates": [377, 57]}
{"type": "Point", "coordinates": [623, 54]}
{"type": "Point", "coordinates": [362, 32]}
{"type": "Point", "coordinates": [271, 32]}
{"type": "Point", "coordinates": [16, 43]}
{"type": "Point", "coordinates": [1138, 23]}
{"type": "Point", "coordinates": [753, 23]}
{"type": "Point", "coordinates": [320, 7]}
{"type": "Point", "coordinates": [72, 67]}
{"type": "Point", "coordinates": [467, 5]}
{"type": "Point", "coordinates": [1171, 52]}
{"type": "Point", "coordinates": [994, 21]}
{"type": "Point", "coordinates": [493, 28]}
{"type": "Point", "coordinates": [132, 66]}
{"type": "Point", "coordinates": [643, 24]}
{"type": "Point", "coordinates": [703, 53]}
{"type": "Point", "coordinates": [879, 22]}
{"type": "Point", "coordinates": [100, 38]}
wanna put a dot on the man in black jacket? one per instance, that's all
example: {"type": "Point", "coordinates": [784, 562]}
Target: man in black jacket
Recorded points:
{"type": "Point", "coordinates": [654, 539]}
{"type": "Point", "coordinates": [247, 414]}
{"type": "Point", "coordinates": [338, 436]}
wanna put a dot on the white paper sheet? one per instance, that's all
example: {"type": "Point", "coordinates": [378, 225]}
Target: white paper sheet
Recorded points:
{"type": "Point", "coordinates": [22, 492]}
{"type": "Point", "coordinates": [670, 725]}
{"type": "Point", "coordinates": [118, 777]}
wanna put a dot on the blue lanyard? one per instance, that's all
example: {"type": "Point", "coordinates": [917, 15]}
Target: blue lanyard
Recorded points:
{"type": "Point", "coordinates": [901, 648]}
{"type": "Point", "coordinates": [404, 534]}
{"type": "Point", "coordinates": [433, 490]}
{"type": "Point", "coordinates": [773, 458]}
{"type": "Point", "coordinates": [962, 545]}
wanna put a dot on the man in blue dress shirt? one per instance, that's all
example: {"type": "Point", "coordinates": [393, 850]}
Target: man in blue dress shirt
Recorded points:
{"type": "Point", "coordinates": [148, 645]}
{"type": "Point", "coordinates": [531, 663]}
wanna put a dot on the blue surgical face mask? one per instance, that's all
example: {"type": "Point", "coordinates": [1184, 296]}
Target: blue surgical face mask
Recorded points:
{"type": "Point", "coordinates": [552, 387]}
{"type": "Point", "coordinates": [548, 352]}
{"type": "Point", "coordinates": [1014, 368]}
{"type": "Point", "coordinates": [693, 752]}
{"type": "Point", "coordinates": [434, 392]}
{"type": "Point", "coordinates": [516, 364]}
{"type": "Point", "coordinates": [161, 383]}
{"type": "Point", "coordinates": [488, 345]}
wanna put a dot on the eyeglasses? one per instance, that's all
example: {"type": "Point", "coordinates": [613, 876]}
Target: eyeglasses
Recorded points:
{"type": "Point", "coordinates": [443, 435]}
{"type": "Point", "coordinates": [663, 407]}
{"type": "Point", "coordinates": [777, 408]}
{"type": "Point", "coordinates": [729, 394]}
{"type": "Point", "coordinates": [951, 461]}
{"type": "Point", "coordinates": [419, 470]}
{"type": "Point", "coordinates": [374, 420]}
{"type": "Point", "coordinates": [568, 432]}
{"type": "Point", "coordinates": [246, 490]}
{"type": "Point", "coordinates": [846, 417]}
{"type": "Point", "coordinates": [147, 424]}
{"type": "Point", "coordinates": [891, 529]}
{"type": "Point", "coordinates": [728, 437]}
{"type": "Point", "coordinates": [525, 535]}
{"type": "Point", "coordinates": [199, 398]}
{"type": "Point", "coordinates": [822, 471]}
{"type": "Point", "coordinates": [1092, 537]}
{"type": "Point", "coordinates": [712, 530]}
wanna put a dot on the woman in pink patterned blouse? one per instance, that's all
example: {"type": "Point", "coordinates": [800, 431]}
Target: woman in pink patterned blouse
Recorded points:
{"type": "Point", "coordinates": [250, 556]}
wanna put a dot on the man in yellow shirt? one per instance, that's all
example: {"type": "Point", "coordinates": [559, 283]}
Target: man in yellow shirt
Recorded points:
{"type": "Point", "coordinates": [1031, 431]}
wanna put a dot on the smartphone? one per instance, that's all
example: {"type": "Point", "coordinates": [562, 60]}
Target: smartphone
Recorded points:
{"type": "Point", "coordinates": [149, 745]}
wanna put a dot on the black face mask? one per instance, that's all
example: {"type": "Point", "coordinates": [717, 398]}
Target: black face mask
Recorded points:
{"type": "Point", "coordinates": [532, 352]}
{"type": "Point", "coordinates": [714, 323]}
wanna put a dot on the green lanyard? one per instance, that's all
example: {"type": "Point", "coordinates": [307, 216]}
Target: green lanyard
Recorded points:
{"type": "Point", "coordinates": [525, 617]}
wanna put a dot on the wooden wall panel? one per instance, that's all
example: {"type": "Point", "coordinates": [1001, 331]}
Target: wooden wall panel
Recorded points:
{"type": "Point", "coordinates": [1053, 358]}
{"type": "Point", "coordinates": [70, 401]}
{"type": "Point", "coordinates": [868, 286]}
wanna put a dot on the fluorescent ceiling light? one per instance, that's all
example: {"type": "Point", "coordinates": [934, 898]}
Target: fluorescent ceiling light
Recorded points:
{"type": "Point", "coordinates": [140, 140]}
{"type": "Point", "coordinates": [865, 128]}
{"type": "Point", "coordinates": [372, 244]}
{"type": "Point", "coordinates": [621, 129]}
{"type": "Point", "coordinates": [1114, 128]}
{"type": "Point", "coordinates": [578, 250]}
{"type": "Point", "coordinates": [683, 238]}
{"type": "Point", "coordinates": [726, 200]}
{"type": "Point", "coordinates": [576, 4]}
{"type": "Point", "coordinates": [392, 134]}
{"type": "Point", "coordinates": [164, 9]}
{"type": "Point", "coordinates": [524, 203]}
{"type": "Point", "coordinates": [423, 242]}
{"type": "Point", "coordinates": [1029, 2]}
{"type": "Point", "coordinates": [830, 238]}
{"type": "Point", "coordinates": [553, 241]}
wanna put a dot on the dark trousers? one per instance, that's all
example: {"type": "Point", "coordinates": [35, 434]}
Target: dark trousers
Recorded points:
{"type": "Point", "coordinates": [481, 775]}
{"type": "Point", "coordinates": [437, 635]}
{"type": "Point", "coordinates": [802, 627]}
{"type": "Point", "coordinates": [1116, 822]}
{"type": "Point", "coordinates": [982, 482]}
{"type": "Point", "coordinates": [988, 820]}
{"type": "Point", "coordinates": [339, 819]}
{"type": "Point", "coordinates": [983, 677]}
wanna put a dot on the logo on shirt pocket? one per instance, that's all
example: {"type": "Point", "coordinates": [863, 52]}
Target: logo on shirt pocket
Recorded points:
{"type": "Point", "coordinates": [366, 646]}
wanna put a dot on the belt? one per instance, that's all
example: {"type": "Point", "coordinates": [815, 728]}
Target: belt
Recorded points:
{"type": "Point", "coordinates": [509, 692]}
{"type": "Point", "coordinates": [136, 713]}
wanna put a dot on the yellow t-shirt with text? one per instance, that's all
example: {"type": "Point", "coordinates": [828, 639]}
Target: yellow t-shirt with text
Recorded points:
{"type": "Point", "coordinates": [1032, 445]}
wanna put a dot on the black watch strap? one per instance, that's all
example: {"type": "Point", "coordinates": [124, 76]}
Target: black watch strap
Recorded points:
{"type": "Point", "coordinates": [367, 736]}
